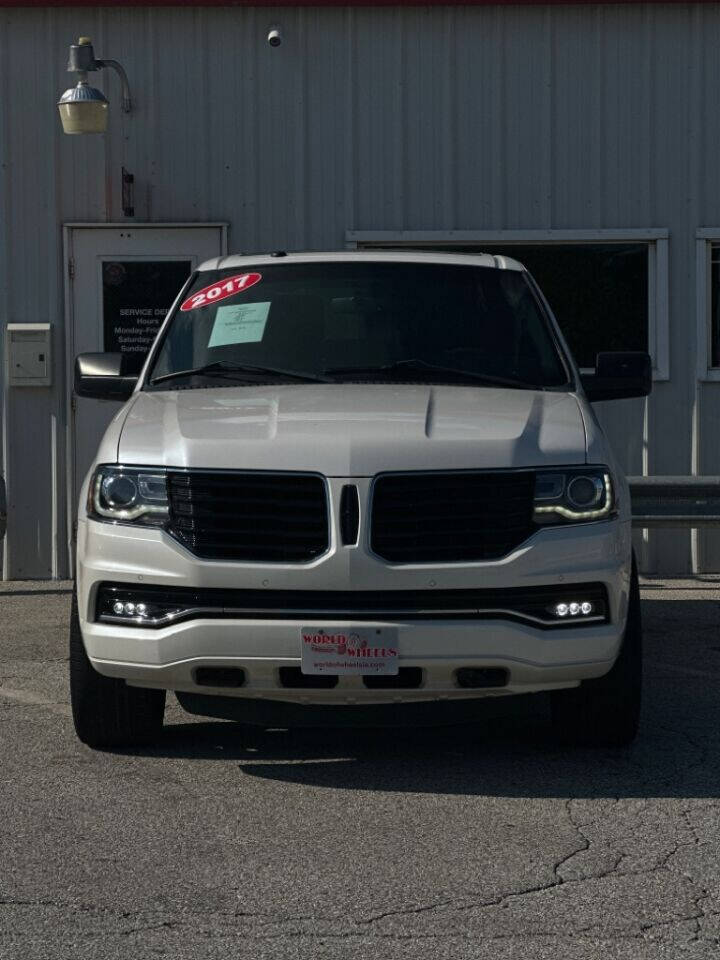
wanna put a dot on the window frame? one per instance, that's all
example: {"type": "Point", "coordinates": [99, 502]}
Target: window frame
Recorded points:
{"type": "Point", "coordinates": [705, 237]}
{"type": "Point", "coordinates": [657, 240]}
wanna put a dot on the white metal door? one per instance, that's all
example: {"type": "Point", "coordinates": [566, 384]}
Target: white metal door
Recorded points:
{"type": "Point", "coordinates": [121, 282]}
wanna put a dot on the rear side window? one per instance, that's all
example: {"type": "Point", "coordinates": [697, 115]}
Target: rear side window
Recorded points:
{"type": "Point", "coordinates": [316, 317]}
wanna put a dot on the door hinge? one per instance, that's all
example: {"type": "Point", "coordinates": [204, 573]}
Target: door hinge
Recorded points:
{"type": "Point", "coordinates": [71, 268]}
{"type": "Point", "coordinates": [73, 402]}
{"type": "Point", "coordinates": [74, 531]}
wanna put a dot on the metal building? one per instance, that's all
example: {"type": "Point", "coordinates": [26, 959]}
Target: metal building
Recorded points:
{"type": "Point", "coordinates": [583, 138]}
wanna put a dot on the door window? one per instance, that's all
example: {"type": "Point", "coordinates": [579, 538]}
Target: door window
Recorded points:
{"type": "Point", "coordinates": [136, 296]}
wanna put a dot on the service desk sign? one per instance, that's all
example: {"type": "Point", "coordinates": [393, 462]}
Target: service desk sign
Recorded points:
{"type": "Point", "coordinates": [137, 295]}
{"type": "Point", "coordinates": [369, 651]}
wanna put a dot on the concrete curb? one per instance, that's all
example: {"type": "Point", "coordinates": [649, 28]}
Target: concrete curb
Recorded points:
{"type": "Point", "coordinates": [26, 587]}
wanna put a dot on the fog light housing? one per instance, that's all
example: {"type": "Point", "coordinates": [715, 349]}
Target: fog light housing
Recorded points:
{"type": "Point", "coordinates": [135, 607]}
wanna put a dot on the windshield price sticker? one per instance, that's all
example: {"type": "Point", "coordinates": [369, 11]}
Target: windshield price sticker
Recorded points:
{"type": "Point", "coordinates": [239, 323]}
{"type": "Point", "coordinates": [366, 651]}
{"type": "Point", "coordinates": [221, 290]}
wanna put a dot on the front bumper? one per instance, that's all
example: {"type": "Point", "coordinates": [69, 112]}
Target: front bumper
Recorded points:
{"type": "Point", "coordinates": [534, 659]}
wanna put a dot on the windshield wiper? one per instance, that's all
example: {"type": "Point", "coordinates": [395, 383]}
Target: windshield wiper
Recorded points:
{"type": "Point", "coordinates": [415, 366]}
{"type": "Point", "coordinates": [227, 368]}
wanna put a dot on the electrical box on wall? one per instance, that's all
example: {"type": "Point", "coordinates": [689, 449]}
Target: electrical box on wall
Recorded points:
{"type": "Point", "coordinates": [28, 351]}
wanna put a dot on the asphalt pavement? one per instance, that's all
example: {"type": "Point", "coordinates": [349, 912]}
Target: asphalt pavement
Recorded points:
{"type": "Point", "coordinates": [490, 841]}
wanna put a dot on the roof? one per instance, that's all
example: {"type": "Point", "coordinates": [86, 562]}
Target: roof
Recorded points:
{"type": "Point", "coordinates": [377, 256]}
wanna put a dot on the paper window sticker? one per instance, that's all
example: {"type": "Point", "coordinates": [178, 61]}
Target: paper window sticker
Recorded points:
{"type": "Point", "coordinates": [240, 323]}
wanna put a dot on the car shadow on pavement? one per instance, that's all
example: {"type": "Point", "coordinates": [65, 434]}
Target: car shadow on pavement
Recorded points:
{"type": "Point", "coordinates": [511, 750]}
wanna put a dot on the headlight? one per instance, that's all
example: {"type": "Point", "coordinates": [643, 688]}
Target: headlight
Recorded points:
{"type": "Point", "coordinates": [128, 495]}
{"type": "Point", "coordinates": [576, 495]}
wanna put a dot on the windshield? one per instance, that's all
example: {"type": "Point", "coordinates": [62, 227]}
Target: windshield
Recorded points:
{"type": "Point", "coordinates": [346, 321]}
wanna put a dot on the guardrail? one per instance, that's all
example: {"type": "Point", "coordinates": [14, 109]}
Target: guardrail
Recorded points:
{"type": "Point", "coordinates": [675, 501]}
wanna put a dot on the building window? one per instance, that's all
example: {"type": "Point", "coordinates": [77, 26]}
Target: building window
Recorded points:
{"type": "Point", "coordinates": [608, 288]}
{"type": "Point", "coordinates": [597, 291]}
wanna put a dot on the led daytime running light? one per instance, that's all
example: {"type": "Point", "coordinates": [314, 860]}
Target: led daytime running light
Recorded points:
{"type": "Point", "coordinates": [569, 514]}
{"type": "Point", "coordinates": [569, 609]}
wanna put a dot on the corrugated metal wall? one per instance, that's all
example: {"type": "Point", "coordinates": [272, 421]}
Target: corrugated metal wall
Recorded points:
{"type": "Point", "coordinates": [366, 118]}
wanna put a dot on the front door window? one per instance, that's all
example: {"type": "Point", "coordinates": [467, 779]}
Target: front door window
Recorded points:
{"type": "Point", "coordinates": [136, 296]}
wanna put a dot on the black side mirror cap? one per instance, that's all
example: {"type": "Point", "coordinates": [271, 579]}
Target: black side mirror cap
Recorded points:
{"type": "Point", "coordinates": [619, 375]}
{"type": "Point", "coordinates": [102, 376]}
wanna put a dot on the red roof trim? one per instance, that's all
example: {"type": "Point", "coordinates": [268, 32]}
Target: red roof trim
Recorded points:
{"type": "Point", "coordinates": [327, 3]}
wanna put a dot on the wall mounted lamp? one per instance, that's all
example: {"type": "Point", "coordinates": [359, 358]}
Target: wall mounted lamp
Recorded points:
{"type": "Point", "coordinates": [84, 109]}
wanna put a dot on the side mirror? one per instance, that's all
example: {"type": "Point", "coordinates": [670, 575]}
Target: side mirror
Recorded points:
{"type": "Point", "coordinates": [619, 376]}
{"type": "Point", "coordinates": [102, 376]}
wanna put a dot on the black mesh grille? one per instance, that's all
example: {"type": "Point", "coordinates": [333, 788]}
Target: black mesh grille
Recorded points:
{"type": "Point", "coordinates": [273, 518]}
{"type": "Point", "coordinates": [451, 517]}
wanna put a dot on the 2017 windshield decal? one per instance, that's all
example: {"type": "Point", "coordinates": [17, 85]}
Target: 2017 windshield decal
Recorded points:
{"type": "Point", "coordinates": [221, 290]}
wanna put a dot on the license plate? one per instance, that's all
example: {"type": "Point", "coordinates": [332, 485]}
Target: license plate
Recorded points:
{"type": "Point", "coordinates": [365, 651]}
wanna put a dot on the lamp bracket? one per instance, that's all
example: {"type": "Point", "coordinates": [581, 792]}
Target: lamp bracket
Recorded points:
{"type": "Point", "coordinates": [120, 70]}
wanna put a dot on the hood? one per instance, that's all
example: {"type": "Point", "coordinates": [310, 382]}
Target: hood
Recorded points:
{"type": "Point", "coordinates": [353, 430]}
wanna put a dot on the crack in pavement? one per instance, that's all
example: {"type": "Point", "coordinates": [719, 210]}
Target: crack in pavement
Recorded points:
{"type": "Point", "coordinates": [454, 903]}
{"type": "Point", "coordinates": [470, 937]}
{"type": "Point", "coordinates": [505, 898]}
{"type": "Point", "coordinates": [268, 918]}
{"type": "Point", "coordinates": [585, 844]}
{"type": "Point", "coordinates": [700, 914]}
{"type": "Point", "coordinates": [407, 911]}
{"type": "Point", "coordinates": [165, 924]}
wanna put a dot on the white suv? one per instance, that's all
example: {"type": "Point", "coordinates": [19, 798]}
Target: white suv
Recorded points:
{"type": "Point", "coordinates": [355, 487]}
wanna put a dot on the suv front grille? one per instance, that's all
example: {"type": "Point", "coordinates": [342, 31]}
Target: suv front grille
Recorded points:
{"type": "Point", "coordinates": [253, 517]}
{"type": "Point", "coordinates": [451, 517]}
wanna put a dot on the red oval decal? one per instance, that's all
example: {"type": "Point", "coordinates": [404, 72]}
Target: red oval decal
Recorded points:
{"type": "Point", "coordinates": [220, 290]}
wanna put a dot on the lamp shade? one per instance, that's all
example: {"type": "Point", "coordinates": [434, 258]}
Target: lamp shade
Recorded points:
{"type": "Point", "coordinates": [83, 109]}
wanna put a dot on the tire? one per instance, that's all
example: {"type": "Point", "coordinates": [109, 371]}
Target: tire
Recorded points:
{"type": "Point", "coordinates": [106, 712]}
{"type": "Point", "coordinates": [605, 712]}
